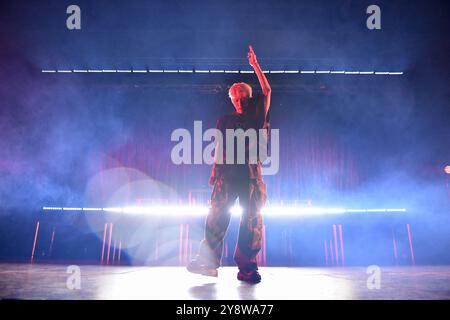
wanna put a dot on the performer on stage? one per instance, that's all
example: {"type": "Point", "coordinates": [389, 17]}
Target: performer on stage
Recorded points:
{"type": "Point", "coordinates": [232, 181]}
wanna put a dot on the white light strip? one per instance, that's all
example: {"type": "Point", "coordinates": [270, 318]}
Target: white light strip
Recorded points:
{"type": "Point", "coordinates": [388, 73]}
{"type": "Point", "coordinates": [92, 209]}
{"type": "Point", "coordinates": [180, 210]}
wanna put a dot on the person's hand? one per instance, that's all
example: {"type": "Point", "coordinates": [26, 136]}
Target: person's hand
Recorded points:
{"type": "Point", "coordinates": [212, 181]}
{"type": "Point", "coordinates": [252, 57]}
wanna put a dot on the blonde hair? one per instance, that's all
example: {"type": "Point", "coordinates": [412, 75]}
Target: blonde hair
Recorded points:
{"type": "Point", "coordinates": [243, 85]}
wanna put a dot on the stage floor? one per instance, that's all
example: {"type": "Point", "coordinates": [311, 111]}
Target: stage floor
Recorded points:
{"type": "Point", "coordinates": [39, 281]}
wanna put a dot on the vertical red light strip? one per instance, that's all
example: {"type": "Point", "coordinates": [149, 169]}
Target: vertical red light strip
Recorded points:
{"type": "Point", "coordinates": [394, 244]}
{"type": "Point", "coordinates": [50, 249]}
{"type": "Point", "coordinates": [120, 251]}
{"type": "Point", "coordinates": [109, 243]}
{"type": "Point", "coordinates": [325, 246]}
{"type": "Point", "coordinates": [34, 242]}
{"type": "Point", "coordinates": [186, 242]}
{"type": "Point", "coordinates": [341, 238]}
{"type": "Point", "coordinates": [180, 252]}
{"type": "Point", "coordinates": [114, 252]}
{"type": "Point", "coordinates": [331, 252]}
{"type": "Point", "coordinates": [104, 242]}
{"type": "Point", "coordinates": [336, 253]}
{"type": "Point", "coordinates": [413, 259]}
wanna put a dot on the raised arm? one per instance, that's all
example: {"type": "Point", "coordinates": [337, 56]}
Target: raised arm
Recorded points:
{"type": "Point", "coordinates": [265, 86]}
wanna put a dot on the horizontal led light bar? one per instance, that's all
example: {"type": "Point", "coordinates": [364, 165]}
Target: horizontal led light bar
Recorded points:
{"type": "Point", "coordinates": [180, 210]}
{"type": "Point", "coordinates": [328, 72]}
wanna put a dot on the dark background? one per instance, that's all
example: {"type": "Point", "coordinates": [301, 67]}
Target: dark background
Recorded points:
{"type": "Point", "coordinates": [104, 139]}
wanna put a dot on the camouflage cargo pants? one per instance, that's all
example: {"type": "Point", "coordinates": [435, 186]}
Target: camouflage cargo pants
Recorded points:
{"type": "Point", "coordinates": [252, 197]}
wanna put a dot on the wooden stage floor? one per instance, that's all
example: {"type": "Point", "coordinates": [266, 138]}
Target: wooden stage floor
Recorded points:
{"type": "Point", "coordinates": [40, 281]}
